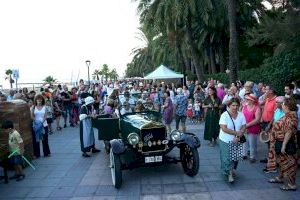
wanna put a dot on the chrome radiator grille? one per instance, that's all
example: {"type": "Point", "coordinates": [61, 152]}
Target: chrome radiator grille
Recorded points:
{"type": "Point", "coordinates": [153, 139]}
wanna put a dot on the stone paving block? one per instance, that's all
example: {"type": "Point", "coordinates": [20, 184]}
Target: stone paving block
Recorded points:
{"type": "Point", "coordinates": [173, 188]}
{"type": "Point", "coordinates": [57, 174]}
{"type": "Point", "coordinates": [66, 181]}
{"type": "Point", "coordinates": [81, 198]}
{"type": "Point", "coordinates": [85, 191]}
{"type": "Point", "coordinates": [104, 198]}
{"type": "Point", "coordinates": [62, 192]}
{"type": "Point", "coordinates": [151, 180]}
{"type": "Point", "coordinates": [151, 189]}
{"type": "Point", "coordinates": [208, 168]}
{"type": "Point", "coordinates": [90, 180]}
{"type": "Point", "coordinates": [129, 190]}
{"type": "Point", "coordinates": [8, 193]}
{"type": "Point", "coordinates": [151, 197]}
{"type": "Point", "coordinates": [106, 191]}
{"type": "Point", "coordinates": [211, 176]}
{"type": "Point", "coordinates": [195, 187]}
{"type": "Point", "coordinates": [196, 196]}
{"type": "Point", "coordinates": [218, 186]}
{"type": "Point", "coordinates": [40, 192]}
{"type": "Point", "coordinates": [171, 179]}
{"type": "Point", "coordinates": [128, 198]}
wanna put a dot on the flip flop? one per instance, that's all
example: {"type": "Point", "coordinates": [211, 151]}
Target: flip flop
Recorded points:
{"type": "Point", "coordinates": [275, 180]}
{"type": "Point", "coordinates": [287, 188]}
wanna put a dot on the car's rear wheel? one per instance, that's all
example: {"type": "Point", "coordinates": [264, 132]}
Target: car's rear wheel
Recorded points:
{"type": "Point", "coordinates": [115, 168]}
{"type": "Point", "coordinates": [189, 159]}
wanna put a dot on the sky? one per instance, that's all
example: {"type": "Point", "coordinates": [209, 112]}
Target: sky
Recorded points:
{"type": "Point", "coordinates": [56, 37]}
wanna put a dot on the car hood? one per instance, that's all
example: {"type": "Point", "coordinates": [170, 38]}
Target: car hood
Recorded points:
{"type": "Point", "coordinates": [140, 121]}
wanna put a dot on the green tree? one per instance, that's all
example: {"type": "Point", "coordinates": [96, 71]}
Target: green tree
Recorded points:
{"type": "Point", "coordinates": [9, 72]}
{"type": "Point", "coordinates": [49, 80]}
{"type": "Point", "coordinates": [105, 71]}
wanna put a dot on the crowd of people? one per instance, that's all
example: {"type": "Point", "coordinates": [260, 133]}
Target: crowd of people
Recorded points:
{"type": "Point", "coordinates": [235, 113]}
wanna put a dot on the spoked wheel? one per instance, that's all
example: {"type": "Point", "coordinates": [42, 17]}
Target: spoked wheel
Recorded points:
{"type": "Point", "coordinates": [115, 168]}
{"type": "Point", "coordinates": [189, 159]}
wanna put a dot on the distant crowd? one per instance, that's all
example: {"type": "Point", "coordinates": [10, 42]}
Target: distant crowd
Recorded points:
{"type": "Point", "coordinates": [230, 112]}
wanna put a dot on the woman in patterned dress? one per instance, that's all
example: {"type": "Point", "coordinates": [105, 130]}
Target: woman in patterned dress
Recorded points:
{"type": "Point", "coordinates": [284, 130]}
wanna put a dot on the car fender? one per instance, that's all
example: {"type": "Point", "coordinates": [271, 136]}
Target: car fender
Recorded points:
{"type": "Point", "coordinates": [117, 146]}
{"type": "Point", "coordinates": [191, 139]}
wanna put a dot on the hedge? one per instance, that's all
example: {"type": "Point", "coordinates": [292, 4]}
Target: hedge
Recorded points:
{"type": "Point", "coordinates": [276, 71]}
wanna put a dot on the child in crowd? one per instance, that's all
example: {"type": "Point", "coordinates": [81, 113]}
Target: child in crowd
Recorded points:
{"type": "Point", "coordinates": [189, 111]}
{"type": "Point", "coordinates": [197, 109]}
{"type": "Point", "coordinates": [49, 115]}
{"type": "Point", "coordinates": [16, 146]}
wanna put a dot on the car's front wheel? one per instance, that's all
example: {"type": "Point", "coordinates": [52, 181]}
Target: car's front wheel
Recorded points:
{"type": "Point", "coordinates": [189, 159]}
{"type": "Point", "coordinates": [115, 168]}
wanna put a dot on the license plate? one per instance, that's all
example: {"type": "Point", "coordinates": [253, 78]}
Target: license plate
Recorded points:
{"type": "Point", "coordinates": [152, 159]}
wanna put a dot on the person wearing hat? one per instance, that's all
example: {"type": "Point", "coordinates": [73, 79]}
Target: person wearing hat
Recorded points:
{"type": "Point", "coordinates": [252, 113]}
{"type": "Point", "coordinates": [87, 138]}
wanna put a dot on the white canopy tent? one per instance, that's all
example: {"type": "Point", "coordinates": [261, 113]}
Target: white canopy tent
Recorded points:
{"type": "Point", "coordinates": [162, 72]}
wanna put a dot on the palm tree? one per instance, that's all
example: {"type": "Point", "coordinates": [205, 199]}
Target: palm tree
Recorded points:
{"type": "Point", "coordinates": [113, 74]}
{"type": "Point", "coordinates": [49, 80]}
{"type": "Point", "coordinates": [9, 72]}
{"type": "Point", "coordinates": [96, 74]}
{"type": "Point", "coordinates": [105, 71]}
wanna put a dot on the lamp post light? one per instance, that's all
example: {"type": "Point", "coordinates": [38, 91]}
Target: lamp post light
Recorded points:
{"type": "Point", "coordinates": [88, 63]}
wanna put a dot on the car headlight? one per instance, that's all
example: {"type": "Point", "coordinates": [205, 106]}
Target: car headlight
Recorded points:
{"type": "Point", "coordinates": [175, 135]}
{"type": "Point", "coordinates": [133, 138]}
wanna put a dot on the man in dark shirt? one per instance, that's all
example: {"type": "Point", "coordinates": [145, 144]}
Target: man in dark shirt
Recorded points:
{"type": "Point", "coordinates": [67, 106]}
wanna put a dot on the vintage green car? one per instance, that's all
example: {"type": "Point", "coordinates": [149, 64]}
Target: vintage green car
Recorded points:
{"type": "Point", "coordinates": [140, 139]}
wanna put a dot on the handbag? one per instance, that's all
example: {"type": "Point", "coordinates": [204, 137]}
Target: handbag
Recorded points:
{"type": "Point", "coordinates": [242, 138]}
{"type": "Point", "coordinates": [290, 148]}
{"type": "Point", "coordinates": [236, 150]}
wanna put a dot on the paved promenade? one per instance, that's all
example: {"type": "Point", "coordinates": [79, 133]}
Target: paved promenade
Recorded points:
{"type": "Point", "coordinates": [68, 175]}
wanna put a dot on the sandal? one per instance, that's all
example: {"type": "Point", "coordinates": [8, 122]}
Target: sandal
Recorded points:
{"type": "Point", "coordinates": [275, 180]}
{"type": "Point", "coordinates": [288, 187]}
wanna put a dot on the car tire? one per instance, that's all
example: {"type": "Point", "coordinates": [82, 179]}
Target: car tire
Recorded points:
{"type": "Point", "coordinates": [116, 171]}
{"type": "Point", "coordinates": [189, 159]}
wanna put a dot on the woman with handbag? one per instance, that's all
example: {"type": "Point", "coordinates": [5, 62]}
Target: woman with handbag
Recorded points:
{"type": "Point", "coordinates": [285, 146]}
{"type": "Point", "coordinates": [232, 128]}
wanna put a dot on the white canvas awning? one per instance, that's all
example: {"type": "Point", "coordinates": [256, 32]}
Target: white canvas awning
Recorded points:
{"type": "Point", "coordinates": [162, 72]}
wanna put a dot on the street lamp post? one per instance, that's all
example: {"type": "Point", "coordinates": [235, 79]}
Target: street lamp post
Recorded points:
{"type": "Point", "coordinates": [88, 63]}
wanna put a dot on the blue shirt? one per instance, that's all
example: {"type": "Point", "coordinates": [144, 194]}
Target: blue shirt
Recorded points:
{"type": "Point", "coordinates": [181, 105]}
{"type": "Point", "coordinates": [278, 114]}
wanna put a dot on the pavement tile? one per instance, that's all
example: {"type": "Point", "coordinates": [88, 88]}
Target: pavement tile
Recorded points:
{"type": "Point", "coordinates": [81, 198]}
{"type": "Point", "coordinates": [196, 196]}
{"type": "Point", "coordinates": [8, 193]}
{"type": "Point", "coordinates": [195, 187]}
{"type": "Point", "coordinates": [211, 176]}
{"type": "Point", "coordinates": [104, 198]}
{"type": "Point", "coordinates": [63, 192]}
{"type": "Point", "coordinates": [40, 192]}
{"type": "Point", "coordinates": [217, 186]}
{"type": "Point", "coordinates": [151, 197]}
{"type": "Point", "coordinates": [106, 191]}
{"type": "Point", "coordinates": [151, 189]}
{"type": "Point", "coordinates": [173, 188]}
{"type": "Point", "coordinates": [129, 189]}
{"type": "Point", "coordinates": [128, 198]}
{"type": "Point", "coordinates": [90, 180]}
{"type": "Point", "coordinates": [85, 191]}
{"type": "Point", "coordinates": [67, 181]}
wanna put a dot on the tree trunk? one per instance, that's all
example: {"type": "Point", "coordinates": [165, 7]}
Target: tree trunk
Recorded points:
{"type": "Point", "coordinates": [222, 57]}
{"type": "Point", "coordinates": [195, 56]}
{"type": "Point", "coordinates": [233, 42]}
{"type": "Point", "coordinates": [11, 81]}
{"type": "Point", "coordinates": [212, 58]}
